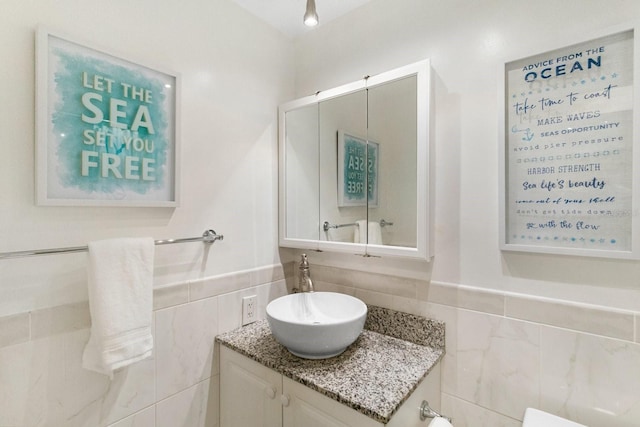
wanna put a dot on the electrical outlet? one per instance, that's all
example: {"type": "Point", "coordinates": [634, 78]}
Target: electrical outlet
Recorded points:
{"type": "Point", "coordinates": [249, 309]}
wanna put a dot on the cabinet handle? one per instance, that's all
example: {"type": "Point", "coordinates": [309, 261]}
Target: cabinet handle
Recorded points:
{"type": "Point", "coordinates": [271, 392]}
{"type": "Point", "coordinates": [284, 399]}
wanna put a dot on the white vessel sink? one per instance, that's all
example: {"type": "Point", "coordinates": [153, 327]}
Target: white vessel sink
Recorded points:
{"type": "Point", "coordinates": [316, 325]}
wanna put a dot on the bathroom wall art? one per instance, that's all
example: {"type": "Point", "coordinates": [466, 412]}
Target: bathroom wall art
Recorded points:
{"type": "Point", "coordinates": [106, 128]}
{"type": "Point", "coordinates": [569, 185]}
{"type": "Point", "coordinates": [357, 171]}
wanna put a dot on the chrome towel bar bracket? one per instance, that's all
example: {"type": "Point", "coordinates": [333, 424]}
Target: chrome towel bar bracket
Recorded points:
{"type": "Point", "coordinates": [427, 412]}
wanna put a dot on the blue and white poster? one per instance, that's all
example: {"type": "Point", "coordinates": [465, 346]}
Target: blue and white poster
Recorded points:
{"type": "Point", "coordinates": [107, 129]}
{"type": "Point", "coordinates": [569, 137]}
{"type": "Point", "coordinates": [357, 171]}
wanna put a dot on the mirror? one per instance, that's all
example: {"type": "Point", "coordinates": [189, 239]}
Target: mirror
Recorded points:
{"type": "Point", "coordinates": [301, 198]}
{"type": "Point", "coordinates": [343, 200]}
{"type": "Point", "coordinates": [355, 167]}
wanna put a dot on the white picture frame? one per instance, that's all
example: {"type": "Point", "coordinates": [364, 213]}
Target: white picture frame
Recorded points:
{"type": "Point", "coordinates": [358, 173]}
{"type": "Point", "coordinates": [569, 149]}
{"type": "Point", "coordinates": [106, 128]}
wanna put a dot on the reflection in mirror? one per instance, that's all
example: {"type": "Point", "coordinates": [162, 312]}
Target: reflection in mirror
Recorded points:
{"type": "Point", "coordinates": [346, 114]}
{"type": "Point", "coordinates": [392, 124]}
{"type": "Point", "coordinates": [355, 167]}
{"type": "Point", "coordinates": [301, 191]}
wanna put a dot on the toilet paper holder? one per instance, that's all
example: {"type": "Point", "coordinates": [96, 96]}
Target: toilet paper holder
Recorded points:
{"type": "Point", "coordinates": [427, 412]}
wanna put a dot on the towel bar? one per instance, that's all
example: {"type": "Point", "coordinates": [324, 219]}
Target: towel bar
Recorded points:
{"type": "Point", "coordinates": [209, 236]}
{"type": "Point", "coordinates": [327, 225]}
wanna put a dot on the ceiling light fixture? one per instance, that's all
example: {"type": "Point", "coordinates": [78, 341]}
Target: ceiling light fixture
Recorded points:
{"type": "Point", "coordinates": [311, 16]}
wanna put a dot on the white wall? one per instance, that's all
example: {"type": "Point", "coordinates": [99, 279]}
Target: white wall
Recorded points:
{"type": "Point", "coordinates": [235, 71]}
{"type": "Point", "coordinates": [522, 330]}
{"type": "Point", "coordinates": [467, 42]}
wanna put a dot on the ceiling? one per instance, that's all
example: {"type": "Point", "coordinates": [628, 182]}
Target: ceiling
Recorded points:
{"type": "Point", "coordinates": [286, 15]}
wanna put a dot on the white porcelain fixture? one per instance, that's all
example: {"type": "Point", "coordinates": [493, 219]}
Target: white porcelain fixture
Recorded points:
{"type": "Point", "coordinates": [316, 325]}
{"type": "Point", "coordinates": [537, 418]}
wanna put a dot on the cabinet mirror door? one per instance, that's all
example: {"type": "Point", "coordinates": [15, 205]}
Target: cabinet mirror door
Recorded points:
{"type": "Point", "coordinates": [343, 175]}
{"type": "Point", "coordinates": [301, 201]}
{"type": "Point", "coordinates": [355, 167]}
{"type": "Point", "coordinates": [392, 131]}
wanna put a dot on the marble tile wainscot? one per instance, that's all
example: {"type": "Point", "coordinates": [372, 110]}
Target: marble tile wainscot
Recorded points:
{"type": "Point", "coordinates": [393, 355]}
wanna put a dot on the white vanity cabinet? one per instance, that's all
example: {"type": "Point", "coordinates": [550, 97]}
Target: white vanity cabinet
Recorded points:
{"type": "Point", "coordinates": [254, 395]}
{"type": "Point", "coordinates": [249, 392]}
{"type": "Point", "coordinates": [306, 407]}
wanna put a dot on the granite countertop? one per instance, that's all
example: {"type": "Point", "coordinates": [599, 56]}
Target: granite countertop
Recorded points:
{"type": "Point", "coordinates": [376, 373]}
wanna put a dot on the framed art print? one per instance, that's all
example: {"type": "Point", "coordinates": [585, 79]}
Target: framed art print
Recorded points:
{"type": "Point", "coordinates": [106, 128]}
{"type": "Point", "coordinates": [570, 158]}
{"type": "Point", "coordinates": [358, 161]}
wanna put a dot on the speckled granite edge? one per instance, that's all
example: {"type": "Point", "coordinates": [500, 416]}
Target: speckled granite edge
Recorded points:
{"type": "Point", "coordinates": [405, 326]}
{"type": "Point", "coordinates": [374, 376]}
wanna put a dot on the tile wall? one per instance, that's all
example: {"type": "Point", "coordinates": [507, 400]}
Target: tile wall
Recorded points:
{"type": "Point", "coordinates": [505, 352]}
{"type": "Point", "coordinates": [42, 382]}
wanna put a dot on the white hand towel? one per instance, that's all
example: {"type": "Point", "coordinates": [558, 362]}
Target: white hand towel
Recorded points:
{"type": "Point", "coordinates": [375, 233]}
{"type": "Point", "coordinates": [360, 231]}
{"type": "Point", "coordinates": [120, 277]}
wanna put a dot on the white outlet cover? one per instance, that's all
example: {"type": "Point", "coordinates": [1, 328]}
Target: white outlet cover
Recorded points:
{"type": "Point", "coordinates": [249, 309]}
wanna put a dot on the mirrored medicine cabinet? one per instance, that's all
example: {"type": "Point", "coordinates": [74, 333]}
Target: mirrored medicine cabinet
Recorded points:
{"type": "Point", "coordinates": [355, 167]}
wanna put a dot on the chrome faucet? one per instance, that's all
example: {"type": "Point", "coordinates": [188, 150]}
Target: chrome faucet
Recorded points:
{"type": "Point", "coordinates": [304, 277]}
